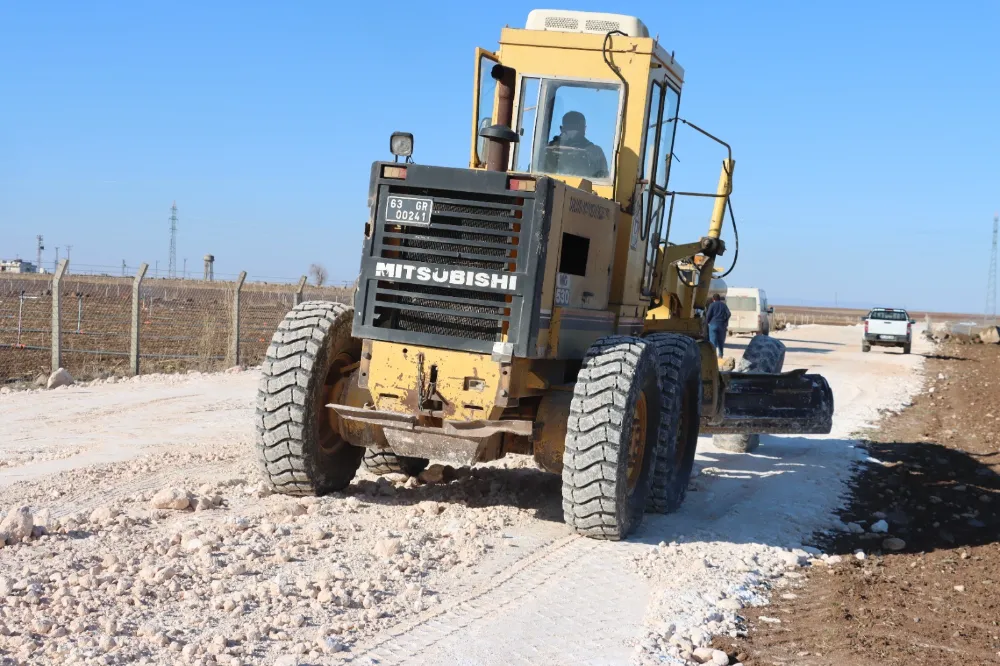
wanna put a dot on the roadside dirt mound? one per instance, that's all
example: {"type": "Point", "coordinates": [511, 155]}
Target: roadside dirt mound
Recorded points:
{"type": "Point", "coordinates": [920, 578]}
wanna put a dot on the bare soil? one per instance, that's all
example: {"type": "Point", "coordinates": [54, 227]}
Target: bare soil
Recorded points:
{"type": "Point", "coordinates": [935, 478]}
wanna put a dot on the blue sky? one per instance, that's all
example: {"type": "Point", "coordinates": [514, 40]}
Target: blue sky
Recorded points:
{"type": "Point", "coordinates": [865, 134]}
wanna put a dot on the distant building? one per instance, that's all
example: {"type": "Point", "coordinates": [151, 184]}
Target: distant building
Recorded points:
{"type": "Point", "coordinates": [17, 266]}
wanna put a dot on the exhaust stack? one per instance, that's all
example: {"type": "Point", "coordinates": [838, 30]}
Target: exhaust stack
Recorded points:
{"type": "Point", "coordinates": [500, 135]}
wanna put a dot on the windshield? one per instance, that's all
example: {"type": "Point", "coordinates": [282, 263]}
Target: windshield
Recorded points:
{"type": "Point", "coordinates": [889, 315]}
{"type": "Point", "coordinates": [743, 303]}
{"type": "Point", "coordinates": [568, 128]}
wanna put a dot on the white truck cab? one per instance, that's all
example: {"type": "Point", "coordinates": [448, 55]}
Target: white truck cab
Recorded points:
{"type": "Point", "coordinates": [887, 327]}
{"type": "Point", "coordinates": [749, 311]}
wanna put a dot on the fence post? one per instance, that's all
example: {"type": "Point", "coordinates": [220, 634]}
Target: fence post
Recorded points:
{"type": "Point", "coordinates": [299, 290]}
{"type": "Point", "coordinates": [20, 314]}
{"type": "Point", "coordinates": [56, 327]}
{"type": "Point", "coordinates": [136, 310]}
{"type": "Point", "coordinates": [234, 343]}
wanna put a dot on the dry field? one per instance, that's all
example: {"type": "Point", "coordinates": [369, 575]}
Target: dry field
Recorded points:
{"type": "Point", "coordinates": [800, 315]}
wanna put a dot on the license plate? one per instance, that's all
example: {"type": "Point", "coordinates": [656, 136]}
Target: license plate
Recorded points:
{"type": "Point", "coordinates": [886, 337]}
{"type": "Point", "coordinates": [409, 210]}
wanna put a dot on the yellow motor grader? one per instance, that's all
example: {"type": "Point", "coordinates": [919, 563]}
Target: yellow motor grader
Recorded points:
{"type": "Point", "coordinates": [534, 302]}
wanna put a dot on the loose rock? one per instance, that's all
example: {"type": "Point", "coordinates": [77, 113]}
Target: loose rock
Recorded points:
{"type": "Point", "coordinates": [437, 474]}
{"type": "Point", "coordinates": [386, 548]}
{"type": "Point", "coordinates": [60, 377]}
{"type": "Point", "coordinates": [171, 498]}
{"type": "Point", "coordinates": [103, 515]}
{"type": "Point", "coordinates": [18, 524]}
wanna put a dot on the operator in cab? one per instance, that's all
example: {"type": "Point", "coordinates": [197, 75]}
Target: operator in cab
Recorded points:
{"type": "Point", "coordinates": [571, 153]}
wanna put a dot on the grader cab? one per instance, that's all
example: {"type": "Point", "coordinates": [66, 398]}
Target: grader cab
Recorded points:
{"type": "Point", "coordinates": [534, 302]}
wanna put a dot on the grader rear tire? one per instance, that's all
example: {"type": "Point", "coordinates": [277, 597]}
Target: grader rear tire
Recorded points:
{"type": "Point", "coordinates": [386, 462]}
{"type": "Point", "coordinates": [765, 355]}
{"type": "Point", "coordinates": [298, 449]}
{"type": "Point", "coordinates": [611, 438]}
{"type": "Point", "coordinates": [679, 363]}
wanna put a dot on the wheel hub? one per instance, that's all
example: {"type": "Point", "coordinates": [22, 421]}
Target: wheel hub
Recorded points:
{"type": "Point", "coordinates": [637, 444]}
{"type": "Point", "coordinates": [336, 383]}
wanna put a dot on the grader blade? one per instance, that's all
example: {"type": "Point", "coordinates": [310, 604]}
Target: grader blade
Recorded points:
{"type": "Point", "coordinates": [790, 403]}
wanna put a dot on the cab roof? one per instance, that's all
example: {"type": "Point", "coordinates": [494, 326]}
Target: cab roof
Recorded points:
{"type": "Point", "coordinates": [564, 20]}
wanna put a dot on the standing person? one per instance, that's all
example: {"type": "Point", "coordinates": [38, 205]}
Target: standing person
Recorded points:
{"type": "Point", "coordinates": [717, 319]}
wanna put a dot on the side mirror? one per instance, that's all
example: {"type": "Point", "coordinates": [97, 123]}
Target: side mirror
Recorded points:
{"type": "Point", "coordinates": [770, 311]}
{"type": "Point", "coordinates": [499, 133]}
{"type": "Point", "coordinates": [913, 321]}
{"type": "Point", "coordinates": [498, 138]}
{"type": "Point", "coordinates": [481, 140]}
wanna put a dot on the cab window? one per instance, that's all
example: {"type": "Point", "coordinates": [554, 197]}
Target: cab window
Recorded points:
{"type": "Point", "coordinates": [667, 130]}
{"type": "Point", "coordinates": [526, 124]}
{"type": "Point", "coordinates": [742, 303]}
{"type": "Point", "coordinates": [568, 128]}
{"type": "Point", "coordinates": [888, 315]}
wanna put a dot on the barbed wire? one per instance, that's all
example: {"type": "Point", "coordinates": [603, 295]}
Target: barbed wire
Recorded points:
{"type": "Point", "coordinates": [155, 272]}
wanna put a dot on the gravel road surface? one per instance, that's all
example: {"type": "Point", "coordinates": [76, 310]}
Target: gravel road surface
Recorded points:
{"type": "Point", "coordinates": [155, 540]}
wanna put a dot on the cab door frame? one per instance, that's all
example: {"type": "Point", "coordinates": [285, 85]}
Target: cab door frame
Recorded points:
{"type": "Point", "coordinates": [483, 57]}
{"type": "Point", "coordinates": [649, 192]}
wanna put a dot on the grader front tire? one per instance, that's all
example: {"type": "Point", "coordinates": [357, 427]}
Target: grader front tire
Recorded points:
{"type": "Point", "coordinates": [611, 438]}
{"type": "Point", "coordinates": [298, 449]}
{"type": "Point", "coordinates": [679, 363]}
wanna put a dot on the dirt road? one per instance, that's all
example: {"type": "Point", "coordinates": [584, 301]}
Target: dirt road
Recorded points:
{"type": "Point", "coordinates": [478, 571]}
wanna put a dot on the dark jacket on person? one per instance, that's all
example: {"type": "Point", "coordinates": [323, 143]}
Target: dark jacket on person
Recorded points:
{"type": "Point", "coordinates": [717, 316]}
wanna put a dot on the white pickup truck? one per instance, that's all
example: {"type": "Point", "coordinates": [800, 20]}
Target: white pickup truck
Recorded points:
{"type": "Point", "coordinates": [887, 327]}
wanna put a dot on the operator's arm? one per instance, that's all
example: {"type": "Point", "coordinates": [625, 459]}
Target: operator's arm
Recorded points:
{"type": "Point", "coordinates": [600, 162]}
{"type": "Point", "coordinates": [550, 157]}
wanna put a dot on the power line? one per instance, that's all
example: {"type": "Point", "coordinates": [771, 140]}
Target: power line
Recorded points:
{"type": "Point", "coordinates": [172, 265]}
{"type": "Point", "coordinates": [990, 316]}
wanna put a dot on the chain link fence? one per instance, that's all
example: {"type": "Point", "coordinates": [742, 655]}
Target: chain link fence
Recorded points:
{"type": "Point", "coordinates": [25, 326]}
{"type": "Point", "coordinates": [120, 326]}
{"type": "Point", "coordinates": [95, 325]}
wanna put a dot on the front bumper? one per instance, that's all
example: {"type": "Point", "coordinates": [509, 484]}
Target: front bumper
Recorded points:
{"type": "Point", "coordinates": [881, 339]}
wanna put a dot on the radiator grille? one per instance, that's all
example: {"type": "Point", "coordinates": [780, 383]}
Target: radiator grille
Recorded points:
{"type": "Point", "coordinates": [467, 231]}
